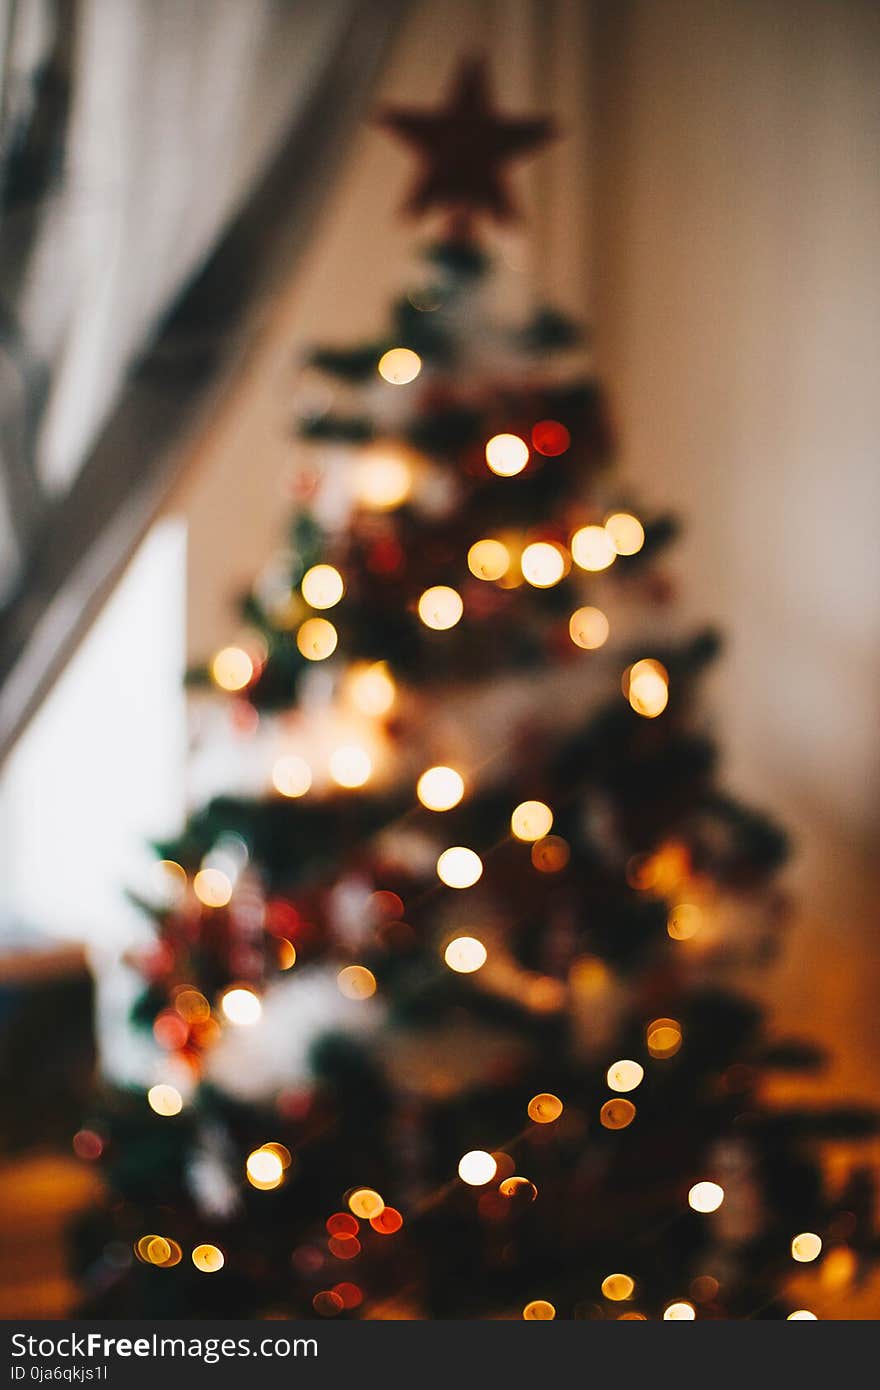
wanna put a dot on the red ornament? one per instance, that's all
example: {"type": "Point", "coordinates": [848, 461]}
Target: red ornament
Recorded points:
{"type": "Point", "coordinates": [464, 147]}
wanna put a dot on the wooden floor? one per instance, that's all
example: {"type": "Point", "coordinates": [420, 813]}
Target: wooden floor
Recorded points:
{"type": "Point", "coordinates": [39, 1195]}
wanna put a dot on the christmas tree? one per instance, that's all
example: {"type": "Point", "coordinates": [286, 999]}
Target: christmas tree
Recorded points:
{"type": "Point", "coordinates": [445, 1016]}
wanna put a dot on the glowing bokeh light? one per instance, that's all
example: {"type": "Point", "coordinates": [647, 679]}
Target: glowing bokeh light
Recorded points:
{"type": "Point", "coordinates": [372, 689]}
{"type": "Point", "coordinates": [625, 1075]}
{"type": "Point", "coordinates": [539, 1310]}
{"type": "Point", "coordinates": [399, 366]}
{"type": "Point", "coordinates": [593, 549]}
{"type": "Point", "coordinates": [588, 628]}
{"type": "Point", "coordinates": [806, 1247]}
{"type": "Point", "coordinates": [626, 531]}
{"type": "Point", "coordinates": [618, 1287]}
{"type": "Point", "coordinates": [551, 854]}
{"type": "Point", "coordinates": [477, 1167]}
{"type": "Point", "coordinates": [684, 921]}
{"type": "Point", "coordinates": [440, 788]}
{"type": "Point", "coordinates": [646, 686]}
{"type": "Point", "coordinates": [264, 1169]}
{"type": "Point", "coordinates": [545, 1108]}
{"type": "Point", "coordinates": [802, 1315]}
{"type": "Point", "coordinates": [208, 1259]}
{"type": "Point", "coordinates": [356, 982]}
{"type": "Point", "coordinates": [232, 669]}
{"type": "Point", "coordinates": [465, 954]}
{"type": "Point", "coordinates": [241, 1006]}
{"type": "Point", "coordinates": [663, 1038]}
{"type": "Point", "coordinates": [388, 1222]}
{"type": "Point", "coordinates": [291, 775]}
{"type": "Point", "coordinates": [322, 586]}
{"type": "Point", "coordinates": [165, 1099]}
{"type": "Point", "coordinates": [705, 1196]}
{"type": "Point", "coordinates": [488, 559]}
{"type": "Point", "coordinates": [550, 438]}
{"type": "Point", "coordinates": [531, 820]}
{"type": "Point", "coordinates": [366, 1203]}
{"type": "Point", "coordinates": [617, 1114]}
{"type": "Point", "coordinates": [316, 639]}
{"type": "Point", "coordinates": [382, 479]}
{"type": "Point", "coordinates": [350, 765]}
{"type": "Point", "coordinates": [679, 1312]}
{"type": "Point", "coordinates": [542, 564]}
{"type": "Point", "coordinates": [212, 887]}
{"type": "Point", "coordinates": [507, 454]}
{"type": "Point", "coordinates": [440, 607]}
{"type": "Point", "coordinates": [459, 867]}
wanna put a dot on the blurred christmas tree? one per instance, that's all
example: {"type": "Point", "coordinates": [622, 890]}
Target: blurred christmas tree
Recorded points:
{"type": "Point", "coordinates": [443, 1016]}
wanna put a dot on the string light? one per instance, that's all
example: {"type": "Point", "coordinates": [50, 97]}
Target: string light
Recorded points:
{"type": "Point", "coordinates": [802, 1315]}
{"type": "Point", "coordinates": [356, 982]}
{"type": "Point", "coordinates": [317, 639]}
{"type": "Point", "coordinates": [806, 1247]}
{"type": "Point", "coordinates": [388, 1222]}
{"type": "Point", "coordinates": [232, 669]}
{"type": "Point", "coordinates": [465, 954]}
{"type": "Point", "coordinates": [646, 686]}
{"type": "Point", "coordinates": [684, 921]}
{"type": "Point", "coordinates": [550, 438]}
{"type": "Point", "coordinates": [192, 1005]}
{"type": "Point", "coordinates": [488, 559]}
{"type": "Point", "coordinates": [165, 1099]}
{"type": "Point", "coordinates": [169, 879]}
{"type": "Point", "coordinates": [208, 1258]}
{"type": "Point", "coordinates": [588, 628]}
{"type": "Point", "coordinates": [477, 1167]}
{"type": "Point", "coordinates": [618, 1287]}
{"type": "Point", "coordinates": [291, 776]}
{"type": "Point", "coordinates": [264, 1169]}
{"type": "Point", "coordinates": [372, 689]}
{"type": "Point", "coordinates": [617, 1114]}
{"type": "Point", "coordinates": [212, 887]}
{"type": "Point", "coordinates": [531, 820]}
{"type": "Point", "coordinates": [399, 366]}
{"type": "Point", "coordinates": [518, 1189]}
{"type": "Point", "coordinates": [542, 564]}
{"type": "Point", "coordinates": [322, 586]}
{"type": "Point", "coordinates": [440, 788]}
{"type": "Point", "coordinates": [507, 454]}
{"type": "Point", "coordinates": [705, 1196]}
{"type": "Point", "coordinates": [663, 1038]}
{"type": "Point", "coordinates": [550, 855]}
{"type": "Point", "coordinates": [679, 1312]}
{"type": "Point", "coordinates": [350, 765]}
{"type": "Point", "coordinates": [593, 549]}
{"type": "Point", "coordinates": [241, 1006]}
{"type": "Point", "coordinates": [459, 867]}
{"type": "Point", "coordinates": [440, 607]}
{"type": "Point", "coordinates": [382, 479]}
{"type": "Point", "coordinates": [366, 1203]}
{"type": "Point", "coordinates": [539, 1310]}
{"type": "Point", "coordinates": [625, 1075]}
{"type": "Point", "coordinates": [626, 531]}
{"type": "Point", "coordinates": [545, 1108]}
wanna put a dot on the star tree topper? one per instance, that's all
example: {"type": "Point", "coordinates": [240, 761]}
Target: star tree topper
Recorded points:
{"type": "Point", "coordinates": [464, 147]}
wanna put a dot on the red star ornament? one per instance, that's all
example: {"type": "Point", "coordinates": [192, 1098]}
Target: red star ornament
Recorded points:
{"type": "Point", "coordinates": [464, 147]}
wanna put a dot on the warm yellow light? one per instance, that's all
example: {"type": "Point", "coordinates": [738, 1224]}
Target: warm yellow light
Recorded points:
{"type": "Point", "coordinates": [705, 1196]}
{"type": "Point", "coordinates": [164, 1099]}
{"type": "Point", "coordinates": [488, 559]}
{"type": "Point", "coordinates": [545, 1108]}
{"type": "Point", "coordinates": [588, 628]}
{"type": "Point", "coordinates": [208, 1259]}
{"type": "Point", "coordinates": [539, 1310]}
{"type": "Point", "coordinates": [232, 669]}
{"type": "Point", "coordinates": [322, 586]}
{"type": "Point", "coordinates": [802, 1315]}
{"type": "Point", "coordinates": [551, 854]}
{"type": "Point", "coordinates": [264, 1169]}
{"type": "Point", "coordinates": [679, 1312]}
{"type": "Point", "coordinates": [507, 454]}
{"type": "Point", "coordinates": [286, 954]}
{"type": "Point", "coordinates": [372, 689]}
{"type": "Point", "coordinates": [192, 1005]}
{"type": "Point", "coordinates": [169, 879]}
{"type": "Point", "coordinates": [399, 366]}
{"type": "Point", "coordinates": [459, 867]}
{"type": "Point", "coordinates": [626, 531]}
{"type": "Point", "coordinates": [646, 686]}
{"type": "Point", "coordinates": [477, 1167]}
{"type": "Point", "coordinates": [212, 887]}
{"type": "Point", "coordinates": [806, 1247]}
{"type": "Point", "coordinates": [440, 788]}
{"type": "Point", "coordinates": [663, 1037]}
{"type": "Point", "coordinates": [542, 564]}
{"type": "Point", "coordinates": [241, 1006]}
{"type": "Point", "coordinates": [684, 921]}
{"type": "Point", "coordinates": [440, 607]}
{"type": "Point", "coordinates": [465, 954]}
{"type": "Point", "coordinates": [617, 1114]}
{"type": "Point", "coordinates": [382, 479]}
{"type": "Point", "coordinates": [316, 639]}
{"type": "Point", "coordinates": [350, 765]}
{"type": "Point", "coordinates": [618, 1287]}
{"type": "Point", "coordinates": [592, 548]}
{"type": "Point", "coordinates": [291, 775]}
{"type": "Point", "coordinates": [625, 1075]}
{"type": "Point", "coordinates": [356, 982]}
{"type": "Point", "coordinates": [366, 1203]}
{"type": "Point", "coordinates": [531, 820]}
